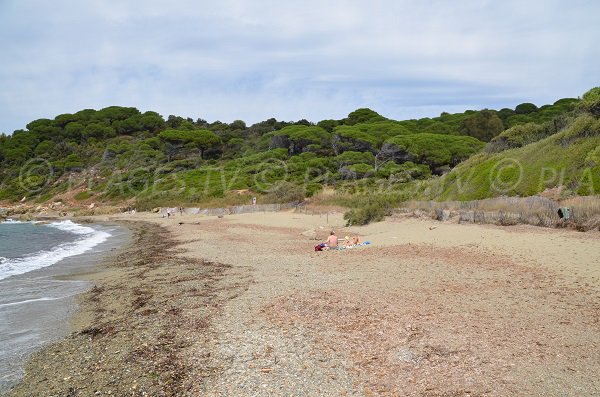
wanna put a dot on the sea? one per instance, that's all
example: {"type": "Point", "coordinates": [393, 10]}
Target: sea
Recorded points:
{"type": "Point", "coordinates": [39, 263]}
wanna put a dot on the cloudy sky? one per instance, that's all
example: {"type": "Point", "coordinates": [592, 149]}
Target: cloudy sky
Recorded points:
{"type": "Point", "coordinates": [252, 60]}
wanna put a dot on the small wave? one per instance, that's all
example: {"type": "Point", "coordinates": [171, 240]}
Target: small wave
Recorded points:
{"type": "Point", "coordinates": [89, 238]}
{"type": "Point", "coordinates": [14, 221]}
{"type": "Point", "coordinates": [69, 226]}
{"type": "Point", "coordinates": [32, 300]}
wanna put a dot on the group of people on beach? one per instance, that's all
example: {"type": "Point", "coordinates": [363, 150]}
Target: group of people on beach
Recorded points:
{"type": "Point", "coordinates": [332, 242]}
{"type": "Point", "coordinates": [171, 212]}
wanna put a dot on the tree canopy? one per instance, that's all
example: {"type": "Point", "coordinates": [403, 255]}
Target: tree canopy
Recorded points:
{"type": "Point", "coordinates": [119, 153]}
{"type": "Point", "coordinates": [482, 125]}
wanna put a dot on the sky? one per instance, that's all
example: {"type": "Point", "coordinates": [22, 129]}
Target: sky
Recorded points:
{"type": "Point", "coordinates": [253, 60]}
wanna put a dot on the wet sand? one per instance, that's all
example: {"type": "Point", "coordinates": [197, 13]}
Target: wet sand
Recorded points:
{"type": "Point", "coordinates": [35, 307]}
{"type": "Point", "coordinates": [243, 306]}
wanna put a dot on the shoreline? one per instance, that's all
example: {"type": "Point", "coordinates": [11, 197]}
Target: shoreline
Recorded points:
{"type": "Point", "coordinates": [40, 304]}
{"type": "Point", "coordinates": [130, 327]}
{"type": "Point", "coordinates": [242, 305]}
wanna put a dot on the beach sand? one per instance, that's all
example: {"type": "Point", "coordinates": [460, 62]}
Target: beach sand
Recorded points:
{"type": "Point", "coordinates": [243, 306]}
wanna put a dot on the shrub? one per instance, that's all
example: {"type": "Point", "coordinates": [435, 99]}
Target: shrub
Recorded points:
{"type": "Point", "coordinates": [526, 108]}
{"type": "Point", "coordinates": [363, 115]}
{"type": "Point", "coordinates": [373, 211]}
{"type": "Point", "coordinates": [313, 188]}
{"type": "Point", "coordinates": [84, 195]}
{"type": "Point", "coordinates": [44, 148]}
{"type": "Point", "coordinates": [433, 149]}
{"type": "Point", "coordinates": [590, 102]}
{"type": "Point", "coordinates": [584, 126]}
{"type": "Point", "coordinates": [404, 172]}
{"type": "Point", "coordinates": [351, 157]}
{"type": "Point", "coordinates": [388, 169]}
{"type": "Point", "coordinates": [202, 139]}
{"type": "Point", "coordinates": [73, 162]}
{"type": "Point", "coordinates": [366, 208]}
{"type": "Point", "coordinates": [327, 125]}
{"type": "Point", "coordinates": [298, 138]}
{"type": "Point", "coordinates": [483, 125]}
{"type": "Point", "coordinates": [284, 192]}
{"type": "Point", "coordinates": [361, 170]}
{"type": "Point", "coordinates": [593, 157]}
{"type": "Point", "coordinates": [382, 130]}
{"type": "Point", "coordinates": [517, 136]}
{"type": "Point", "coordinates": [438, 128]}
{"type": "Point", "coordinates": [347, 138]}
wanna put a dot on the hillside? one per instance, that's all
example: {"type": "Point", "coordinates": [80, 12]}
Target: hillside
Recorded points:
{"type": "Point", "coordinates": [569, 159]}
{"type": "Point", "coordinates": [119, 154]}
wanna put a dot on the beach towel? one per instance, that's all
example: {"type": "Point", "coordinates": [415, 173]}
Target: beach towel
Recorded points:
{"type": "Point", "coordinates": [342, 247]}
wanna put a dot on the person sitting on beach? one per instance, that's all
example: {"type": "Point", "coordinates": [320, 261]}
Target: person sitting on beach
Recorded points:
{"type": "Point", "coordinates": [332, 240]}
{"type": "Point", "coordinates": [355, 240]}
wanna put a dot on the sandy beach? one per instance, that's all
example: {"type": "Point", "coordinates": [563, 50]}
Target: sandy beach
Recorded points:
{"type": "Point", "coordinates": [243, 306]}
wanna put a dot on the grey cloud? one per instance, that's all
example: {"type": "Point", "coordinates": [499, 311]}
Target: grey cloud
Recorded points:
{"type": "Point", "coordinates": [313, 59]}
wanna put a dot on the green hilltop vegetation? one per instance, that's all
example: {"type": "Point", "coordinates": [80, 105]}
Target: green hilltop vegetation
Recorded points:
{"type": "Point", "coordinates": [530, 157]}
{"type": "Point", "coordinates": [569, 158]}
{"type": "Point", "coordinates": [119, 154]}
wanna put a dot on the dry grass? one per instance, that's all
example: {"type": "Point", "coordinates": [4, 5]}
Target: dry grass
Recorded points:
{"type": "Point", "coordinates": [505, 211]}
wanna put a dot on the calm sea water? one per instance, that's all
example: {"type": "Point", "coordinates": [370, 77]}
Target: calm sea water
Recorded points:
{"type": "Point", "coordinates": [35, 305]}
{"type": "Point", "coordinates": [29, 246]}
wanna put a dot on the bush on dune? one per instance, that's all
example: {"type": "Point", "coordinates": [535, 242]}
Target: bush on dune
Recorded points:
{"type": "Point", "coordinates": [369, 209]}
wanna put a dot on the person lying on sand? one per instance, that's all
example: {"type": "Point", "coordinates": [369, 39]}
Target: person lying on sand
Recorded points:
{"type": "Point", "coordinates": [352, 241]}
{"type": "Point", "coordinates": [348, 243]}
